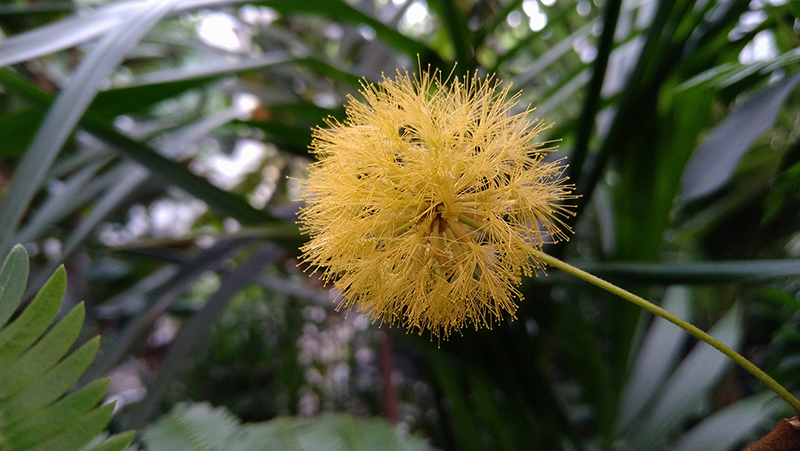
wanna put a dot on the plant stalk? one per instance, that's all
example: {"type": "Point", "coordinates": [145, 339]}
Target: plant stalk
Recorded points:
{"type": "Point", "coordinates": [688, 327]}
{"type": "Point", "coordinates": [649, 306]}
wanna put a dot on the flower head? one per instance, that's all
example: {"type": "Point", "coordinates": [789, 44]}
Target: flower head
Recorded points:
{"type": "Point", "coordinates": [425, 203]}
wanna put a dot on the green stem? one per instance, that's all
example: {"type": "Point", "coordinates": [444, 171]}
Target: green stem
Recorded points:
{"type": "Point", "coordinates": [649, 306]}
{"type": "Point", "coordinates": [688, 327]}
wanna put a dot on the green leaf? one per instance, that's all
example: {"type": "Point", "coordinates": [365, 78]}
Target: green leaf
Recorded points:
{"type": "Point", "coordinates": [13, 277]}
{"type": "Point", "coordinates": [192, 426]}
{"type": "Point", "coordinates": [55, 418]}
{"type": "Point", "coordinates": [583, 351]}
{"type": "Point", "coordinates": [155, 87]}
{"type": "Point", "coordinates": [45, 354]}
{"type": "Point", "coordinates": [490, 26]}
{"type": "Point", "coordinates": [117, 442]}
{"type": "Point", "coordinates": [167, 170]}
{"type": "Point", "coordinates": [50, 387]}
{"type": "Point", "coordinates": [682, 394]}
{"type": "Point", "coordinates": [543, 59]}
{"type": "Point", "coordinates": [81, 28]}
{"type": "Point", "coordinates": [327, 432]}
{"type": "Point", "coordinates": [81, 431]}
{"type": "Point", "coordinates": [192, 333]}
{"type": "Point", "coordinates": [76, 192]}
{"type": "Point", "coordinates": [308, 111]}
{"type": "Point", "coordinates": [177, 175]}
{"type": "Point", "coordinates": [18, 129]}
{"type": "Point", "coordinates": [32, 379]}
{"type": "Point", "coordinates": [449, 377]}
{"type": "Point", "coordinates": [731, 425]}
{"type": "Point", "coordinates": [31, 324]}
{"type": "Point", "coordinates": [203, 427]}
{"type": "Point", "coordinates": [714, 162]}
{"type": "Point", "coordinates": [24, 9]}
{"type": "Point", "coordinates": [290, 138]}
{"type": "Point", "coordinates": [128, 177]}
{"type": "Point", "coordinates": [785, 189]}
{"type": "Point", "coordinates": [656, 357]}
{"type": "Point", "coordinates": [487, 408]}
{"type": "Point", "coordinates": [339, 11]}
{"type": "Point", "coordinates": [160, 297]}
{"type": "Point", "coordinates": [703, 273]}
{"type": "Point", "coordinates": [67, 110]}
{"type": "Point", "coordinates": [452, 16]}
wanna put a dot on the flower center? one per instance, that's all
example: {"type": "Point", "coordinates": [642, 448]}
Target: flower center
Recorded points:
{"type": "Point", "coordinates": [447, 240]}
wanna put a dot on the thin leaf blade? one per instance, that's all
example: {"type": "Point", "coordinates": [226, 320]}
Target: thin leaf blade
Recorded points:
{"type": "Point", "coordinates": [67, 110]}
{"type": "Point", "coordinates": [118, 442]}
{"type": "Point", "coordinates": [52, 386]}
{"type": "Point", "coordinates": [714, 162]}
{"type": "Point", "coordinates": [81, 432]}
{"type": "Point", "coordinates": [55, 418]}
{"type": "Point", "coordinates": [24, 371]}
{"type": "Point", "coordinates": [13, 277]}
{"type": "Point", "coordinates": [37, 317]}
{"type": "Point", "coordinates": [656, 357]}
{"type": "Point", "coordinates": [730, 425]}
{"type": "Point", "coordinates": [683, 392]}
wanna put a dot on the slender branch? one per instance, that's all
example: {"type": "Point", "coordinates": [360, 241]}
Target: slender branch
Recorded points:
{"type": "Point", "coordinates": [649, 306]}
{"type": "Point", "coordinates": [688, 327]}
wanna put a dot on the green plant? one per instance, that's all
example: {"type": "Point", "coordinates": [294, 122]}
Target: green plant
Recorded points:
{"type": "Point", "coordinates": [35, 411]}
{"type": "Point", "coordinates": [203, 427]}
{"type": "Point", "coordinates": [634, 89]}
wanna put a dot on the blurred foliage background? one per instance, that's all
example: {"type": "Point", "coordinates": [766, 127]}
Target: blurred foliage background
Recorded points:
{"type": "Point", "coordinates": [153, 147]}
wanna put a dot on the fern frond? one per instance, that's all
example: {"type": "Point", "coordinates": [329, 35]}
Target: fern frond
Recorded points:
{"type": "Point", "coordinates": [201, 427]}
{"type": "Point", "coordinates": [35, 411]}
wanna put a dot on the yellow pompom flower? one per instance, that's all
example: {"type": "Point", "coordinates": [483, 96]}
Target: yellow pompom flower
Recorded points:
{"type": "Point", "coordinates": [425, 204]}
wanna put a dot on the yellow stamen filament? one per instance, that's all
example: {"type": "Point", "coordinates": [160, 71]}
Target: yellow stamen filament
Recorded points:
{"type": "Point", "coordinates": [426, 204]}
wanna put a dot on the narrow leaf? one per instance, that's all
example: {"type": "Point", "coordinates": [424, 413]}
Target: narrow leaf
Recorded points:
{"type": "Point", "coordinates": [81, 28]}
{"type": "Point", "coordinates": [455, 23]}
{"type": "Point", "coordinates": [55, 418]}
{"type": "Point", "coordinates": [155, 87]}
{"type": "Point", "coordinates": [60, 35]}
{"type": "Point", "coordinates": [294, 139]}
{"type": "Point", "coordinates": [342, 12]}
{"type": "Point", "coordinates": [70, 105]}
{"type": "Point", "coordinates": [451, 382]}
{"type": "Point", "coordinates": [656, 357]}
{"type": "Point", "coordinates": [32, 323]}
{"type": "Point", "coordinates": [75, 192]}
{"type": "Point", "coordinates": [703, 273]}
{"type": "Point", "coordinates": [118, 442]}
{"type": "Point", "coordinates": [22, 372]}
{"type": "Point", "coordinates": [167, 170]}
{"type": "Point", "coordinates": [177, 175]}
{"type": "Point", "coordinates": [162, 296]}
{"type": "Point", "coordinates": [81, 432]}
{"type": "Point", "coordinates": [129, 177]}
{"type": "Point", "coordinates": [192, 333]}
{"type": "Point", "coordinates": [13, 277]}
{"type": "Point", "coordinates": [52, 386]}
{"type": "Point", "coordinates": [18, 129]}
{"type": "Point", "coordinates": [683, 393]}
{"type": "Point", "coordinates": [729, 426]}
{"type": "Point", "coordinates": [714, 162]}
{"type": "Point", "coordinates": [26, 9]}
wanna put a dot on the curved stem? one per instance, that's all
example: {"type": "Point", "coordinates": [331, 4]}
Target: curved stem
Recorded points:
{"type": "Point", "coordinates": [688, 327]}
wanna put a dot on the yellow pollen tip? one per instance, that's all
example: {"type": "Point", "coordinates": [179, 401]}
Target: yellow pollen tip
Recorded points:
{"type": "Point", "coordinates": [428, 203]}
